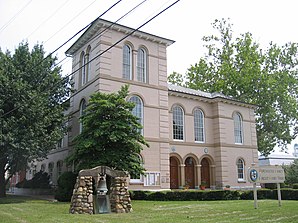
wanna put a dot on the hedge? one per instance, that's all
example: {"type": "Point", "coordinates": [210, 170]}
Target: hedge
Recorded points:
{"type": "Point", "coordinates": [286, 194]}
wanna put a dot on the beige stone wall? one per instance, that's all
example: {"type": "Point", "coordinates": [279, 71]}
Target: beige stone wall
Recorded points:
{"type": "Point", "coordinates": [219, 147]}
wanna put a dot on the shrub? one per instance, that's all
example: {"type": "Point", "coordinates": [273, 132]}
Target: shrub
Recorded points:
{"type": "Point", "coordinates": [40, 180]}
{"type": "Point", "coordinates": [66, 184]}
{"type": "Point", "coordinates": [287, 194]}
{"type": "Point", "coordinates": [295, 186]}
{"type": "Point", "coordinates": [139, 195]}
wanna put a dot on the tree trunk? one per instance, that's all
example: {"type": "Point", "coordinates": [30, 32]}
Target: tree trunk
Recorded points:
{"type": "Point", "coordinates": [2, 179]}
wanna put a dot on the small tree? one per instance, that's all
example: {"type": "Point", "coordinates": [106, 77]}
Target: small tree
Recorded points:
{"type": "Point", "coordinates": [291, 173]}
{"type": "Point", "coordinates": [111, 134]}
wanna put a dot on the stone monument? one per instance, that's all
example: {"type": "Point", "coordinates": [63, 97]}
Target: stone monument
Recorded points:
{"type": "Point", "coordinates": [101, 190]}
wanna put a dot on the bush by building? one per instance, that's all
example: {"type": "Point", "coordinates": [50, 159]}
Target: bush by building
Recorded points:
{"type": "Point", "coordinates": [66, 184]}
{"type": "Point", "coordinates": [40, 180]}
{"type": "Point", "coordinates": [287, 194]}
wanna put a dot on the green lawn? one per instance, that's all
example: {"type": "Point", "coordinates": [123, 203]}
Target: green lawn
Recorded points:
{"type": "Point", "coordinates": [22, 209]}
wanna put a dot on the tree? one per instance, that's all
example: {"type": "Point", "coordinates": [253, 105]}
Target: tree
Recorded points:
{"type": "Point", "coordinates": [111, 134]}
{"type": "Point", "coordinates": [32, 92]}
{"type": "Point", "coordinates": [291, 172]}
{"type": "Point", "coordinates": [267, 78]}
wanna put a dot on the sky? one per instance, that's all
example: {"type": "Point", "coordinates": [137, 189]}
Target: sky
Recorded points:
{"type": "Point", "coordinates": [53, 22]}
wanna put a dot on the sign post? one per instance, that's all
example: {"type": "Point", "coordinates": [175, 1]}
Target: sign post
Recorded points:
{"type": "Point", "coordinates": [266, 174]}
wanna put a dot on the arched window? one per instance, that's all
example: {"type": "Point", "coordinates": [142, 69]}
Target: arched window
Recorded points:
{"type": "Point", "coordinates": [87, 64]}
{"type": "Point", "coordinates": [138, 110]}
{"type": "Point", "coordinates": [51, 169]}
{"type": "Point", "coordinates": [142, 65]}
{"type": "Point", "coordinates": [43, 167]}
{"type": "Point", "coordinates": [59, 168]}
{"type": "Point", "coordinates": [238, 128]}
{"type": "Point", "coordinates": [178, 123]}
{"type": "Point", "coordinates": [240, 169]}
{"type": "Point", "coordinates": [82, 69]}
{"type": "Point", "coordinates": [127, 62]}
{"type": "Point", "coordinates": [199, 125]}
{"type": "Point", "coordinates": [82, 109]}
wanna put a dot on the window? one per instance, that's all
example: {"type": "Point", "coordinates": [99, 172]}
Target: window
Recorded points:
{"type": "Point", "coordinates": [139, 178]}
{"type": "Point", "coordinates": [43, 167]}
{"type": "Point", "coordinates": [51, 168]}
{"type": "Point", "coordinates": [127, 62]}
{"type": "Point", "coordinates": [238, 132]}
{"type": "Point", "coordinates": [59, 167]}
{"type": "Point", "coordinates": [178, 123]}
{"type": "Point", "coordinates": [152, 179]}
{"type": "Point", "coordinates": [240, 169]}
{"type": "Point", "coordinates": [138, 109]}
{"type": "Point", "coordinates": [82, 112]}
{"type": "Point", "coordinates": [33, 170]}
{"type": "Point", "coordinates": [60, 144]}
{"type": "Point", "coordinates": [87, 64]}
{"type": "Point", "coordinates": [141, 65]}
{"type": "Point", "coordinates": [199, 125]}
{"type": "Point", "coordinates": [82, 69]}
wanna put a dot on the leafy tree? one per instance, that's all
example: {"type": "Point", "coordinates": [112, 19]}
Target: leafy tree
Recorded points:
{"type": "Point", "coordinates": [176, 78]}
{"type": "Point", "coordinates": [291, 173]}
{"type": "Point", "coordinates": [267, 78]}
{"type": "Point", "coordinates": [31, 109]}
{"type": "Point", "coordinates": [111, 134]}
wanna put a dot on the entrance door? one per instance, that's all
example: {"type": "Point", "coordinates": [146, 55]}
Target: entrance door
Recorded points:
{"type": "Point", "coordinates": [205, 172]}
{"type": "Point", "coordinates": [190, 172]}
{"type": "Point", "coordinates": [174, 182]}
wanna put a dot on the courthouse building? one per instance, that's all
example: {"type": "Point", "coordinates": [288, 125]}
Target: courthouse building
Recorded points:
{"type": "Point", "coordinates": [194, 136]}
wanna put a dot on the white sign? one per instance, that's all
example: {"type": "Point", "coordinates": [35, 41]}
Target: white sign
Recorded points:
{"type": "Point", "coordinates": [266, 174]}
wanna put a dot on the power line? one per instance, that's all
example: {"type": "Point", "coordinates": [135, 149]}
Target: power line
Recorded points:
{"type": "Point", "coordinates": [16, 108]}
{"type": "Point", "coordinates": [106, 50]}
{"type": "Point", "coordinates": [108, 27]}
{"type": "Point", "coordinates": [71, 20]}
{"type": "Point", "coordinates": [14, 17]}
{"type": "Point", "coordinates": [112, 24]}
{"type": "Point", "coordinates": [47, 19]}
{"type": "Point", "coordinates": [127, 35]}
{"type": "Point", "coordinates": [85, 27]}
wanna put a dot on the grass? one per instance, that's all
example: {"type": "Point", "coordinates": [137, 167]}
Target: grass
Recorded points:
{"type": "Point", "coordinates": [25, 210]}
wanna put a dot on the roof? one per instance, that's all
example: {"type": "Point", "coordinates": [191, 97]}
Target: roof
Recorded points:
{"type": "Point", "coordinates": [101, 23]}
{"type": "Point", "coordinates": [214, 95]}
{"type": "Point", "coordinates": [277, 156]}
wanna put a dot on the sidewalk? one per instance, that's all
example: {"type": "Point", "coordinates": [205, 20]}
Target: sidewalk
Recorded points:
{"type": "Point", "coordinates": [40, 197]}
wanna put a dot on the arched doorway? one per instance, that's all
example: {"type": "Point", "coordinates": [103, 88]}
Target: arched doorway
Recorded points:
{"type": "Point", "coordinates": [174, 177]}
{"type": "Point", "coordinates": [205, 171]}
{"type": "Point", "coordinates": [190, 172]}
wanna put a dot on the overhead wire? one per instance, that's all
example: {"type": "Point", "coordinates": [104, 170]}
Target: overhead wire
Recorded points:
{"type": "Point", "coordinates": [14, 17]}
{"type": "Point", "coordinates": [84, 28]}
{"type": "Point", "coordinates": [71, 20]}
{"type": "Point", "coordinates": [112, 24]}
{"type": "Point", "coordinates": [124, 37]}
{"type": "Point", "coordinates": [115, 22]}
{"type": "Point", "coordinates": [48, 18]}
{"type": "Point", "coordinates": [106, 50]}
{"type": "Point", "coordinates": [8, 112]}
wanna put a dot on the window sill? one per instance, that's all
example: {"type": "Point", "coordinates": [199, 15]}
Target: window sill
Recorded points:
{"type": "Point", "coordinates": [178, 140]}
{"type": "Point", "coordinates": [200, 142]}
{"type": "Point", "coordinates": [136, 182]}
{"type": "Point", "coordinates": [241, 181]}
